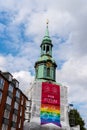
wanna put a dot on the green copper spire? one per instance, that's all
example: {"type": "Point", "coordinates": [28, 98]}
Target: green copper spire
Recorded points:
{"type": "Point", "coordinates": [47, 37]}
{"type": "Point", "coordinates": [47, 31]}
{"type": "Point", "coordinates": [45, 67]}
{"type": "Point", "coordinates": [46, 46]}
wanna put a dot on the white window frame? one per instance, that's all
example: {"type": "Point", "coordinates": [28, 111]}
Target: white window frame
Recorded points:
{"type": "Point", "coordinates": [6, 114]}
{"type": "Point", "coordinates": [9, 100]}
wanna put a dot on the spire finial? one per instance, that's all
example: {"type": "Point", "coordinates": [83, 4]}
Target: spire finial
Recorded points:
{"type": "Point", "coordinates": [47, 31]}
{"type": "Point", "coordinates": [47, 22]}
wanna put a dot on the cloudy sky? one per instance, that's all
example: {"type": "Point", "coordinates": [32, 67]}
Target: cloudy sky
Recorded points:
{"type": "Point", "coordinates": [22, 27]}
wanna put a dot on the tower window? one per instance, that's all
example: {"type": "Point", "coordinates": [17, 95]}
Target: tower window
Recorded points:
{"type": "Point", "coordinates": [44, 48]}
{"type": "Point", "coordinates": [48, 72]}
{"type": "Point", "coordinates": [47, 49]}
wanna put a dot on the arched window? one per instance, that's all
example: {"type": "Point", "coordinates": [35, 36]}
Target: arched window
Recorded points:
{"type": "Point", "coordinates": [44, 47]}
{"type": "Point", "coordinates": [48, 72]}
{"type": "Point", "coordinates": [47, 49]}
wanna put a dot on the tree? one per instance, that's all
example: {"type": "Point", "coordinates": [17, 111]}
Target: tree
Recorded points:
{"type": "Point", "coordinates": [76, 119]}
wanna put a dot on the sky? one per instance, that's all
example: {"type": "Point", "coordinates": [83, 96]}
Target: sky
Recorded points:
{"type": "Point", "coordinates": [22, 28]}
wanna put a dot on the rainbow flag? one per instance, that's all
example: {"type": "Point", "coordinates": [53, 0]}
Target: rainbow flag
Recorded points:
{"type": "Point", "coordinates": [50, 104]}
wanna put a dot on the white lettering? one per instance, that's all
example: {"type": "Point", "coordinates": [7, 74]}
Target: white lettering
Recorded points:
{"type": "Point", "coordinates": [50, 100]}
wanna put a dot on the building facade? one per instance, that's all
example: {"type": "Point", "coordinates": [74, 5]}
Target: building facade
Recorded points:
{"type": "Point", "coordinates": [12, 103]}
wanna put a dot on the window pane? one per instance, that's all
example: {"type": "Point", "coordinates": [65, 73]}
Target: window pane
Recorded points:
{"type": "Point", "coordinates": [22, 100]}
{"type": "Point", "coordinates": [44, 48]}
{"type": "Point", "coordinates": [18, 94]}
{"type": "Point", "coordinates": [13, 128]}
{"type": "Point", "coordinates": [20, 124]}
{"type": "Point", "coordinates": [14, 118]}
{"type": "Point", "coordinates": [8, 100]}
{"type": "Point", "coordinates": [6, 114]}
{"type": "Point", "coordinates": [0, 96]}
{"type": "Point", "coordinates": [21, 112]}
{"type": "Point", "coordinates": [10, 88]}
{"type": "Point", "coordinates": [1, 83]}
{"type": "Point", "coordinates": [16, 105]}
{"type": "Point", "coordinates": [4, 127]}
{"type": "Point", "coordinates": [47, 49]}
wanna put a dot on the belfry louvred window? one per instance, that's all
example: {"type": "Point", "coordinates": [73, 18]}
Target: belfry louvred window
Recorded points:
{"type": "Point", "coordinates": [48, 72]}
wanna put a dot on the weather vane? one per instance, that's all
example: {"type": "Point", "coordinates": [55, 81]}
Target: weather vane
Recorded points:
{"type": "Point", "coordinates": [47, 21]}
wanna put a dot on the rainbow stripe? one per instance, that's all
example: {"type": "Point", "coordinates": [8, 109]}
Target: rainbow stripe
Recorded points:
{"type": "Point", "coordinates": [50, 114]}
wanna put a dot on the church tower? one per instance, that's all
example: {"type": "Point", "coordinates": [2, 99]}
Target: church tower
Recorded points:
{"type": "Point", "coordinates": [45, 67]}
{"type": "Point", "coordinates": [48, 98]}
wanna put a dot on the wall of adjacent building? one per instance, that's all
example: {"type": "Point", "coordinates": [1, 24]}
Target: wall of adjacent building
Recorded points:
{"type": "Point", "coordinates": [12, 104]}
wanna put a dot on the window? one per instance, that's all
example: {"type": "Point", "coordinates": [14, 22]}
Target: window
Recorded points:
{"type": "Point", "coordinates": [44, 48]}
{"type": "Point", "coordinates": [16, 105]}
{"type": "Point", "coordinates": [13, 128]}
{"type": "Point", "coordinates": [21, 112]}
{"type": "Point", "coordinates": [4, 127]}
{"type": "Point", "coordinates": [10, 88]}
{"type": "Point", "coordinates": [22, 100]}
{"type": "Point", "coordinates": [14, 118]}
{"type": "Point", "coordinates": [18, 94]}
{"type": "Point", "coordinates": [47, 49]}
{"type": "Point", "coordinates": [15, 111]}
{"type": "Point", "coordinates": [8, 101]}
{"type": "Point", "coordinates": [9, 77]}
{"type": "Point", "coordinates": [1, 83]}
{"type": "Point", "coordinates": [48, 72]}
{"type": "Point", "coordinates": [0, 96]}
{"type": "Point", "coordinates": [17, 84]}
{"type": "Point", "coordinates": [10, 94]}
{"type": "Point", "coordinates": [13, 124]}
{"type": "Point", "coordinates": [19, 124]}
{"type": "Point", "coordinates": [6, 114]}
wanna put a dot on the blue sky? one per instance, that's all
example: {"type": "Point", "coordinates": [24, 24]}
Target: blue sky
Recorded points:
{"type": "Point", "coordinates": [22, 28]}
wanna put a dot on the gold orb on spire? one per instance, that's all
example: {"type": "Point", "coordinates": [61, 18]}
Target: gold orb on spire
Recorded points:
{"type": "Point", "coordinates": [47, 21]}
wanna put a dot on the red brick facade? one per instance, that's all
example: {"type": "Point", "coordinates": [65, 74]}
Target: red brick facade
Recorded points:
{"type": "Point", "coordinates": [12, 103]}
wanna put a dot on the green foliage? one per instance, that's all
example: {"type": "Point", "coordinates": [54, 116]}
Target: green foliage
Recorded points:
{"type": "Point", "coordinates": [76, 119]}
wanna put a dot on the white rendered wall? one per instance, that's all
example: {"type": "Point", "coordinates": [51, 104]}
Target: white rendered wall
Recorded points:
{"type": "Point", "coordinates": [35, 96]}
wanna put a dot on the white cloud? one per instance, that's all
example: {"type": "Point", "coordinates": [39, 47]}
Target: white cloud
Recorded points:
{"type": "Point", "coordinates": [16, 63]}
{"type": "Point", "coordinates": [24, 78]}
{"type": "Point", "coordinates": [2, 63]}
{"type": "Point", "coordinates": [74, 74]}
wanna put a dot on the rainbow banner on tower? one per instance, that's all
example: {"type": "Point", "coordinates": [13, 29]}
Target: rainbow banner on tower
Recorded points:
{"type": "Point", "coordinates": [50, 104]}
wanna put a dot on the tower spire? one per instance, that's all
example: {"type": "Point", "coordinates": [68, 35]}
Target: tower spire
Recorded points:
{"type": "Point", "coordinates": [47, 31]}
{"type": "Point", "coordinates": [45, 66]}
{"type": "Point", "coordinates": [47, 21]}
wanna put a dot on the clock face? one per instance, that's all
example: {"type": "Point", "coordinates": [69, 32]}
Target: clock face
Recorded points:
{"type": "Point", "coordinates": [48, 64]}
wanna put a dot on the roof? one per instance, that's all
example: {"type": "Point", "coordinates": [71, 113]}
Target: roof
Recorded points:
{"type": "Point", "coordinates": [45, 58]}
